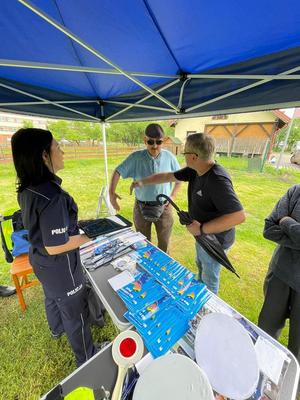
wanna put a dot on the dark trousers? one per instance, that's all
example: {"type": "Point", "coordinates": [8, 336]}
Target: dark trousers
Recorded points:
{"type": "Point", "coordinates": [281, 303]}
{"type": "Point", "coordinates": [70, 314]}
{"type": "Point", "coordinates": [163, 226]}
{"type": "Point", "coordinates": [66, 300]}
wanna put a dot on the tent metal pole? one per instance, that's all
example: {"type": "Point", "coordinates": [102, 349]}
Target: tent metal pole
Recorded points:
{"type": "Point", "coordinates": [104, 194]}
{"type": "Point", "coordinates": [143, 99]}
{"type": "Point", "coordinates": [205, 103]}
{"type": "Point", "coordinates": [92, 50]}
{"type": "Point", "coordinates": [74, 68]}
{"type": "Point", "coordinates": [182, 92]}
{"type": "Point", "coordinates": [233, 76]}
{"type": "Point", "coordinates": [211, 113]}
{"type": "Point", "coordinates": [48, 102]}
{"type": "Point", "coordinates": [33, 103]}
{"type": "Point", "coordinates": [286, 139]}
{"type": "Point", "coordinates": [123, 103]}
{"type": "Point", "coordinates": [58, 104]}
{"type": "Point", "coordinates": [105, 153]}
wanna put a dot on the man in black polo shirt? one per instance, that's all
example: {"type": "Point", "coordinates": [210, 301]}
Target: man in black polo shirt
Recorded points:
{"type": "Point", "coordinates": [213, 203]}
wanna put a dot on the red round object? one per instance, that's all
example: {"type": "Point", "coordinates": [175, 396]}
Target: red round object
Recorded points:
{"type": "Point", "coordinates": [127, 347]}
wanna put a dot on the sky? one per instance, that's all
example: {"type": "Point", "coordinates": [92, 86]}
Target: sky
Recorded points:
{"type": "Point", "coordinates": [290, 112]}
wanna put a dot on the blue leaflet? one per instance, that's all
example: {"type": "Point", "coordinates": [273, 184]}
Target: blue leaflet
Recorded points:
{"type": "Point", "coordinates": [153, 308]}
{"type": "Point", "coordinates": [141, 293]}
{"type": "Point", "coordinates": [193, 298]}
{"type": "Point", "coordinates": [160, 306]}
{"type": "Point", "coordinates": [162, 330]}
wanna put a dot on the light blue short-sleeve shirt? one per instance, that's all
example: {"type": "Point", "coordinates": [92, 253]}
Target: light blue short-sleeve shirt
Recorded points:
{"type": "Point", "coordinates": [140, 164]}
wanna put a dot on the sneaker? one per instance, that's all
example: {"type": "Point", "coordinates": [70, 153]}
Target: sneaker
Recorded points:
{"type": "Point", "coordinates": [6, 291]}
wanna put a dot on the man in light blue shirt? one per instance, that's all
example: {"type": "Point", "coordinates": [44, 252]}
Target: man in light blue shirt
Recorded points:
{"type": "Point", "coordinates": [138, 165]}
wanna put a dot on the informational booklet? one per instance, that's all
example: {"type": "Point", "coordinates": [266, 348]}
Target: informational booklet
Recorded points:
{"type": "Point", "coordinates": [119, 281]}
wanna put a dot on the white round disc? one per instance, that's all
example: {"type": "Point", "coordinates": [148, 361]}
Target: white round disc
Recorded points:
{"type": "Point", "coordinates": [118, 358]}
{"type": "Point", "coordinates": [225, 351]}
{"type": "Point", "coordinates": [175, 377]}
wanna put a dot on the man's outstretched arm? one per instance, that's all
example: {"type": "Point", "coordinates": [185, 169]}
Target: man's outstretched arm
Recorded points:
{"type": "Point", "coordinates": [162, 177]}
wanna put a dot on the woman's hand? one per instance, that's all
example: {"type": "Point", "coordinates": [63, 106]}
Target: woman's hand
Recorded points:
{"type": "Point", "coordinates": [135, 184]}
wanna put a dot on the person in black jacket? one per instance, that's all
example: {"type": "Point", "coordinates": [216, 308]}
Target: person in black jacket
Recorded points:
{"type": "Point", "coordinates": [282, 283]}
{"type": "Point", "coordinates": [50, 216]}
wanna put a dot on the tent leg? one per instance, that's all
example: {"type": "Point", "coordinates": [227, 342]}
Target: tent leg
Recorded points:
{"type": "Point", "coordinates": [285, 144]}
{"type": "Point", "coordinates": [104, 206]}
{"type": "Point", "coordinates": [103, 195]}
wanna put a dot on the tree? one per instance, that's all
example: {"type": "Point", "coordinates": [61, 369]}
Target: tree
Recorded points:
{"type": "Point", "coordinates": [27, 124]}
{"type": "Point", "coordinates": [75, 130]}
{"type": "Point", "coordinates": [133, 132]}
{"type": "Point", "coordinates": [60, 129]}
{"type": "Point", "coordinates": [294, 135]}
{"type": "Point", "coordinates": [86, 130]}
{"type": "Point", "coordinates": [130, 133]}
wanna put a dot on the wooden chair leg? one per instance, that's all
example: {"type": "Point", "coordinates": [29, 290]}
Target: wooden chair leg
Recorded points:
{"type": "Point", "coordinates": [19, 292]}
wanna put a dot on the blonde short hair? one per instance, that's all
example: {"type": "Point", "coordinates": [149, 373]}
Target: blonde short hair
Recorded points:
{"type": "Point", "coordinates": [201, 144]}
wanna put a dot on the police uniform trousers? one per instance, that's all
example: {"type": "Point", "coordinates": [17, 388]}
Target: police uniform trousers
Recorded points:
{"type": "Point", "coordinates": [281, 303]}
{"type": "Point", "coordinates": [66, 302]}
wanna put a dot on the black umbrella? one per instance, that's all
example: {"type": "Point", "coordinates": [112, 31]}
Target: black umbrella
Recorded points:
{"type": "Point", "coordinates": [208, 242]}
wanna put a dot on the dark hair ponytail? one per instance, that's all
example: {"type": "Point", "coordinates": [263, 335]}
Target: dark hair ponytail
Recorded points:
{"type": "Point", "coordinates": [28, 146]}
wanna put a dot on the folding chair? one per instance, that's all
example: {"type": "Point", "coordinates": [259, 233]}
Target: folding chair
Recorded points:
{"type": "Point", "coordinates": [21, 268]}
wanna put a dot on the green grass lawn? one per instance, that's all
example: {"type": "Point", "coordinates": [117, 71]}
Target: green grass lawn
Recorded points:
{"type": "Point", "coordinates": [31, 362]}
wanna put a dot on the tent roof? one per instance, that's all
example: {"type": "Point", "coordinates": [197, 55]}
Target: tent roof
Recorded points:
{"type": "Point", "coordinates": [92, 60]}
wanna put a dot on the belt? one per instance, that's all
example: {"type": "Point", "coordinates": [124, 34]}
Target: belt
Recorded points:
{"type": "Point", "coordinates": [151, 203]}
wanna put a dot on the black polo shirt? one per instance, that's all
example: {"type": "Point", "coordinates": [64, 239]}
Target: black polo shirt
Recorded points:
{"type": "Point", "coordinates": [210, 196]}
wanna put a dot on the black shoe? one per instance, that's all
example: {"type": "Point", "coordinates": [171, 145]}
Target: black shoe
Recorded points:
{"type": "Point", "coordinates": [6, 291]}
{"type": "Point", "coordinates": [56, 336]}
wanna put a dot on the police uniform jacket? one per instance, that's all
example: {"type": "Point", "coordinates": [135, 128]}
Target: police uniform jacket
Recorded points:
{"type": "Point", "coordinates": [50, 215]}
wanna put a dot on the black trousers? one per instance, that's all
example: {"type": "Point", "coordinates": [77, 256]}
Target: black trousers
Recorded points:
{"type": "Point", "coordinates": [281, 303]}
{"type": "Point", "coordinates": [70, 315]}
{"type": "Point", "coordinates": [66, 300]}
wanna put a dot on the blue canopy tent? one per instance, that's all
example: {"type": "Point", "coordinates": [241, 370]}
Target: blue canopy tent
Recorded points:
{"type": "Point", "coordinates": [121, 60]}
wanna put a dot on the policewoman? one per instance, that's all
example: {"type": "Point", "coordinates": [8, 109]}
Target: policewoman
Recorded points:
{"type": "Point", "coordinates": [50, 215]}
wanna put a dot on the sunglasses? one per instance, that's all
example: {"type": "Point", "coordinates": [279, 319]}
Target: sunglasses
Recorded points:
{"type": "Point", "coordinates": [152, 141]}
{"type": "Point", "coordinates": [189, 152]}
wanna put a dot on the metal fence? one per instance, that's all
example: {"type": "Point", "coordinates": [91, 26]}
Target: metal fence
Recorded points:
{"type": "Point", "coordinates": [74, 151]}
{"type": "Point", "coordinates": [81, 151]}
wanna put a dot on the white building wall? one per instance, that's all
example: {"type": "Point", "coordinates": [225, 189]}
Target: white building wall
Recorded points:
{"type": "Point", "coordinates": [10, 123]}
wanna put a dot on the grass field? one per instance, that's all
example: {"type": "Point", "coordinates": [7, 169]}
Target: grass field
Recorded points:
{"type": "Point", "coordinates": [31, 362]}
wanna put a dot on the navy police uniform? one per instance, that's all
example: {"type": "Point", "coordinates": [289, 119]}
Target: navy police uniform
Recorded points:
{"type": "Point", "coordinates": [50, 215]}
